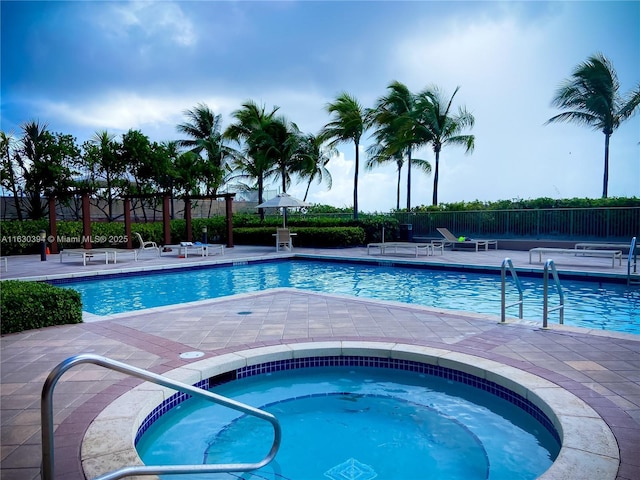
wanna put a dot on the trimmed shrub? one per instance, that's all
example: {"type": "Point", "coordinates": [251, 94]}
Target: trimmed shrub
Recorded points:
{"type": "Point", "coordinates": [29, 305]}
{"type": "Point", "coordinates": [332, 237]}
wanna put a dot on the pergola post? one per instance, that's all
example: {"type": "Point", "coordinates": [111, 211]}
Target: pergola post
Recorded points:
{"type": "Point", "coordinates": [187, 217]}
{"type": "Point", "coordinates": [53, 227]}
{"type": "Point", "coordinates": [127, 222]}
{"type": "Point", "coordinates": [228, 198]}
{"type": "Point", "coordinates": [166, 218]}
{"type": "Point", "coordinates": [86, 220]}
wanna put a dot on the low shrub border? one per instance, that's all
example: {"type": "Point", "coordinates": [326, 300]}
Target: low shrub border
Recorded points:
{"type": "Point", "coordinates": [325, 237]}
{"type": "Point", "coordinates": [29, 305]}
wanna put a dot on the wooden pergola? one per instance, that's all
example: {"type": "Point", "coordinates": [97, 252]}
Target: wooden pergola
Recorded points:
{"type": "Point", "coordinates": [166, 217]}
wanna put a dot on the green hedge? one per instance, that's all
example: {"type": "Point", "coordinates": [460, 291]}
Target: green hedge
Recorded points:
{"type": "Point", "coordinates": [29, 305]}
{"type": "Point", "coordinates": [318, 231]}
{"type": "Point", "coordinates": [305, 236]}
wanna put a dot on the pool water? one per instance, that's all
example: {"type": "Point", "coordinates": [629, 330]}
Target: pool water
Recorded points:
{"type": "Point", "coordinates": [606, 306]}
{"type": "Point", "coordinates": [356, 423]}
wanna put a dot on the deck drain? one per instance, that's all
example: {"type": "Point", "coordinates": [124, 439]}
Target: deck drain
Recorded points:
{"type": "Point", "coordinates": [245, 313]}
{"type": "Point", "coordinates": [188, 355]}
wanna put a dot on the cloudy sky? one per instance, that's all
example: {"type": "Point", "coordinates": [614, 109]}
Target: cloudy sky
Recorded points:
{"type": "Point", "coordinates": [83, 66]}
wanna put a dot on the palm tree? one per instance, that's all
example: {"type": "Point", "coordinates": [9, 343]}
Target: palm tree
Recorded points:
{"type": "Point", "coordinates": [282, 145]}
{"type": "Point", "coordinates": [204, 128]}
{"type": "Point", "coordinates": [444, 127]}
{"type": "Point", "coordinates": [45, 163]}
{"type": "Point", "coordinates": [315, 158]}
{"type": "Point", "coordinates": [252, 131]}
{"type": "Point", "coordinates": [398, 133]}
{"type": "Point", "coordinates": [349, 123]}
{"type": "Point", "coordinates": [592, 98]}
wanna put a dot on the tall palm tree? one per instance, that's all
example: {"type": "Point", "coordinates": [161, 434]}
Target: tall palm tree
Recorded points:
{"type": "Point", "coordinates": [350, 120]}
{"type": "Point", "coordinates": [205, 130]}
{"type": "Point", "coordinates": [315, 158]}
{"type": "Point", "coordinates": [398, 132]}
{"type": "Point", "coordinates": [251, 130]}
{"type": "Point", "coordinates": [282, 145]}
{"type": "Point", "coordinates": [592, 98]}
{"type": "Point", "coordinates": [445, 127]}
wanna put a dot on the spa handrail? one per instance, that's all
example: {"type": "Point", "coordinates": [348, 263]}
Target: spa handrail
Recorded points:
{"type": "Point", "coordinates": [550, 265]}
{"type": "Point", "coordinates": [47, 421]}
{"type": "Point", "coordinates": [507, 263]}
{"type": "Point", "coordinates": [632, 259]}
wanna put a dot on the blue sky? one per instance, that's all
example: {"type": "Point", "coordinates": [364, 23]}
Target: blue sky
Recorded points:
{"type": "Point", "coordinates": [84, 66]}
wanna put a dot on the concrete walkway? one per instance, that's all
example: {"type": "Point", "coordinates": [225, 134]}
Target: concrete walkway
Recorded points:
{"type": "Point", "coordinates": [601, 368]}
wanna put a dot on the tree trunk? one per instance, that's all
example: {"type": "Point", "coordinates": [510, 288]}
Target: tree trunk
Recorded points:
{"type": "Point", "coordinates": [260, 192]}
{"type": "Point", "coordinates": [435, 179]}
{"type": "Point", "coordinates": [355, 184]}
{"type": "Point", "coordinates": [409, 180]}
{"type": "Point", "coordinates": [398, 190]}
{"type": "Point", "coordinates": [16, 199]}
{"type": "Point", "coordinates": [605, 178]}
{"type": "Point", "coordinates": [306, 192]}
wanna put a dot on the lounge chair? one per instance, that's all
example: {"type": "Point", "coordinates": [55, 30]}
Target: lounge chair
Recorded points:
{"type": "Point", "coordinates": [197, 248]}
{"type": "Point", "coordinates": [144, 246]}
{"type": "Point", "coordinates": [283, 238]}
{"type": "Point", "coordinates": [451, 239]}
{"type": "Point", "coordinates": [85, 254]}
{"type": "Point", "coordinates": [415, 248]}
{"type": "Point", "coordinates": [582, 252]}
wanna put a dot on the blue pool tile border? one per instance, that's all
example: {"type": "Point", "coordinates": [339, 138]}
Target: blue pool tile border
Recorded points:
{"type": "Point", "coordinates": [357, 361]}
{"type": "Point", "coordinates": [159, 271]}
{"type": "Point", "coordinates": [584, 277]}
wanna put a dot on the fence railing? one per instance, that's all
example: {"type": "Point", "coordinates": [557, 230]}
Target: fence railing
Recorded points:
{"type": "Point", "coordinates": [560, 223]}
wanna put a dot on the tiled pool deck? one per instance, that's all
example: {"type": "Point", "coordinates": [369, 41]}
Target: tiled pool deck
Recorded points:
{"type": "Point", "coordinates": [601, 368]}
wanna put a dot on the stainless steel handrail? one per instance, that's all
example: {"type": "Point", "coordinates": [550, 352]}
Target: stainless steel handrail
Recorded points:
{"type": "Point", "coordinates": [503, 276]}
{"type": "Point", "coordinates": [632, 256]}
{"type": "Point", "coordinates": [549, 265]}
{"type": "Point", "coordinates": [47, 421]}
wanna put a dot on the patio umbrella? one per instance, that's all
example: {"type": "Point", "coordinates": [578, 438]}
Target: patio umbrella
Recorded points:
{"type": "Point", "coordinates": [283, 200]}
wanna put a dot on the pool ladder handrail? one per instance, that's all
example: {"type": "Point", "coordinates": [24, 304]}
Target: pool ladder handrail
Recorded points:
{"type": "Point", "coordinates": [632, 277]}
{"type": "Point", "coordinates": [503, 277]}
{"type": "Point", "coordinates": [549, 265]}
{"type": "Point", "coordinates": [48, 432]}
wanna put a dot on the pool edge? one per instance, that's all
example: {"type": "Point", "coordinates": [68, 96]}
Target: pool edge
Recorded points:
{"type": "Point", "coordinates": [588, 445]}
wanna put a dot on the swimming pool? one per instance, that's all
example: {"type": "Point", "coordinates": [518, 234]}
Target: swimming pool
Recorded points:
{"type": "Point", "coordinates": [348, 423]}
{"type": "Point", "coordinates": [606, 306]}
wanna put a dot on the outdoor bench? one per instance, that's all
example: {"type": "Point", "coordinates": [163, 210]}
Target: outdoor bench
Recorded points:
{"type": "Point", "coordinates": [415, 248]}
{"type": "Point", "coordinates": [577, 251]}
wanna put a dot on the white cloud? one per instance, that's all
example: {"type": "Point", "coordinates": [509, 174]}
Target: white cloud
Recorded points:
{"type": "Point", "coordinates": [159, 19]}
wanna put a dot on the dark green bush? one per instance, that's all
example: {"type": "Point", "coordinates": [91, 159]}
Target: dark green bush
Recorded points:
{"type": "Point", "coordinates": [10, 231]}
{"type": "Point", "coordinates": [29, 305]}
{"type": "Point", "coordinates": [305, 236]}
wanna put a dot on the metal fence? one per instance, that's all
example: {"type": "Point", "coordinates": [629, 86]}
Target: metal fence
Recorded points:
{"type": "Point", "coordinates": [553, 223]}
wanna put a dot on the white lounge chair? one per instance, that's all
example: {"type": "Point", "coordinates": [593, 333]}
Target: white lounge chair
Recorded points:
{"type": "Point", "coordinates": [283, 239]}
{"type": "Point", "coordinates": [415, 248]}
{"type": "Point", "coordinates": [451, 239]}
{"type": "Point", "coordinates": [578, 252]}
{"type": "Point", "coordinates": [85, 254]}
{"type": "Point", "coordinates": [204, 250]}
{"type": "Point", "coordinates": [144, 246]}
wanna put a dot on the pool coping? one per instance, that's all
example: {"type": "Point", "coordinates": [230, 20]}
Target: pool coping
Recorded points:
{"type": "Point", "coordinates": [571, 275]}
{"type": "Point", "coordinates": [589, 448]}
{"type": "Point", "coordinates": [411, 262]}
